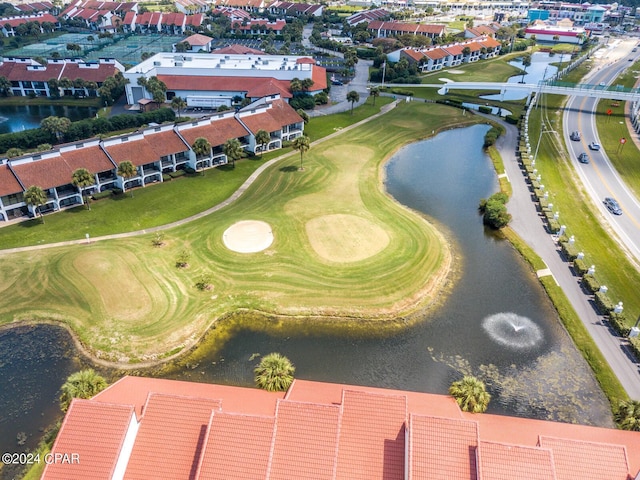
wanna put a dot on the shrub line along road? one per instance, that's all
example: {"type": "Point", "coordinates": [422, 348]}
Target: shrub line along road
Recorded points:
{"type": "Point", "coordinates": [528, 225]}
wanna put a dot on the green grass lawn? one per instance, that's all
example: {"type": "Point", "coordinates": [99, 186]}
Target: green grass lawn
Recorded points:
{"type": "Point", "coordinates": [127, 301]}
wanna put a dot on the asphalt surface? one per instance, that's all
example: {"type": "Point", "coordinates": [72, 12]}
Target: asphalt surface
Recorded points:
{"type": "Point", "coordinates": [599, 177]}
{"type": "Point", "coordinates": [527, 223]}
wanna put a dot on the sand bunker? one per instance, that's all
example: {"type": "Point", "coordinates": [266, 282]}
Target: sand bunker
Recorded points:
{"type": "Point", "coordinates": [248, 236]}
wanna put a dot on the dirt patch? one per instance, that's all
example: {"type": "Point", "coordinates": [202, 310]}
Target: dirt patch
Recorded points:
{"type": "Point", "coordinates": [248, 236]}
{"type": "Point", "coordinates": [345, 238]}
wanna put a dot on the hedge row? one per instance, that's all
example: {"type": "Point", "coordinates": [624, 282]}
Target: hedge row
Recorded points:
{"type": "Point", "coordinates": [84, 129]}
{"type": "Point", "coordinates": [620, 322]}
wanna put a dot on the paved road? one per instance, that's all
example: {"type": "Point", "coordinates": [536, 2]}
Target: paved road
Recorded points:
{"type": "Point", "coordinates": [528, 224]}
{"type": "Point", "coordinates": [600, 177]}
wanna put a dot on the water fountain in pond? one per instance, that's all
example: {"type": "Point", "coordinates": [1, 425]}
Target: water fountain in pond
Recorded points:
{"type": "Point", "coordinates": [512, 330]}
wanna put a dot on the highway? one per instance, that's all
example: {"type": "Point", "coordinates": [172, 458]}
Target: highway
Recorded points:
{"type": "Point", "coordinates": [599, 177]}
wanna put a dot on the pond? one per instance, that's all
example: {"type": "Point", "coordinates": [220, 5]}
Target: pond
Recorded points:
{"type": "Point", "coordinates": [495, 322]}
{"type": "Point", "coordinates": [539, 70]}
{"type": "Point", "coordinates": [15, 118]}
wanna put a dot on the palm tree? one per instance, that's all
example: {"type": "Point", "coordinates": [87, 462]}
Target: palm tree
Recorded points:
{"type": "Point", "coordinates": [295, 85]}
{"type": "Point", "coordinates": [202, 148]}
{"type": "Point", "coordinates": [36, 197]}
{"type": "Point", "coordinates": [177, 103]}
{"type": "Point", "coordinates": [56, 125]}
{"type": "Point", "coordinates": [306, 84]}
{"type": "Point", "coordinates": [127, 170]}
{"type": "Point", "coordinates": [233, 150]}
{"type": "Point", "coordinates": [301, 144]}
{"type": "Point", "coordinates": [526, 61]}
{"type": "Point", "coordinates": [82, 384]}
{"type": "Point", "coordinates": [274, 373]}
{"type": "Point", "coordinates": [374, 92]}
{"type": "Point", "coordinates": [353, 97]}
{"type": "Point", "coordinates": [627, 415]}
{"type": "Point", "coordinates": [263, 138]}
{"type": "Point", "coordinates": [470, 394]}
{"type": "Point", "coordinates": [83, 178]}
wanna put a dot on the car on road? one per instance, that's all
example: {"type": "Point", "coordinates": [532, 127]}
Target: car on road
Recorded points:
{"type": "Point", "coordinates": [575, 136]}
{"type": "Point", "coordinates": [612, 205]}
{"type": "Point", "coordinates": [583, 158]}
{"type": "Point", "coordinates": [602, 84]}
{"type": "Point", "coordinates": [594, 146]}
{"type": "Point", "coordinates": [336, 82]}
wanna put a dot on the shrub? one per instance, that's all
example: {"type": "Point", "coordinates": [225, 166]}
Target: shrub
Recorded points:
{"type": "Point", "coordinates": [183, 259]}
{"type": "Point", "coordinates": [101, 195]}
{"type": "Point", "coordinates": [635, 346]}
{"type": "Point", "coordinates": [158, 240]}
{"type": "Point", "coordinates": [603, 302]}
{"type": "Point", "coordinates": [484, 109]}
{"type": "Point", "coordinates": [494, 211]}
{"type": "Point", "coordinates": [166, 177]}
{"type": "Point", "coordinates": [512, 119]}
{"type": "Point", "coordinates": [178, 173]}
{"type": "Point", "coordinates": [402, 91]}
{"type": "Point", "coordinates": [620, 323]}
{"type": "Point", "coordinates": [305, 102]}
{"type": "Point", "coordinates": [117, 191]}
{"type": "Point", "coordinates": [204, 282]}
{"type": "Point", "coordinates": [580, 266]}
{"type": "Point", "coordinates": [590, 283]}
{"type": "Point", "coordinates": [570, 251]}
{"type": "Point", "coordinates": [491, 136]}
{"type": "Point", "coordinates": [554, 226]}
{"type": "Point", "coordinates": [189, 170]}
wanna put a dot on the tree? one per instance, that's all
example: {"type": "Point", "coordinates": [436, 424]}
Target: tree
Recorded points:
{"type": "Point", "coordinates": [202, 148]}
{"type": "Point", "coordinates": [274, 373]}
{"type": "Point", "coordinates": [5, 86]}
{"type": "Point", "coordinates": [36, 197]}
{"type": "Point", "coordinates": [127, 170]}
{"type": "Point", "coordinates": [83, 178]}
{"type": "Point", "coordinates": [301, 144]}
{"type": "Point", "coordinates": [373, 93]}
{"type": "Point", "coordinates": [494, 211]}
{"type": "Point", "coordinates": [353, 97]}
{"type": "Point", "coordinates": [56, 126]}
{"type": "Point", "coordinates": [470, 394]}
{"type": "Point", "coordinates": [526, 61]}
{"type": "Point", "coordinates": [303, 115]}
{"type": "Point", "coordinates": [263, 138]}
{"type": "Point", "coordinates": [295, 85]}
{"type": "Point", "coordinates": [54, 88]}
{"type": "Point", "coordinates": [178, 103]}
{"type": "Point", "coordinates": [306, 84]}
{"type": "Point", "coordinates": [233, 150]}
{"type": "Point", "coordinates": [627, 415]}
{"type": "Point", "coordinates": [83, 384]}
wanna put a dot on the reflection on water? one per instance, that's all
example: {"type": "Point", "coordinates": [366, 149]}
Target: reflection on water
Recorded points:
{"type": "Point", "coordinates": [445, 178]}
{"type": "Point", "coordinates": [16, 118]}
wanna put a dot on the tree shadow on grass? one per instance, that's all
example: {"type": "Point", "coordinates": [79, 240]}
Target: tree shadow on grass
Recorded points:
{"type": "Point", "coordinates": [289, 168]}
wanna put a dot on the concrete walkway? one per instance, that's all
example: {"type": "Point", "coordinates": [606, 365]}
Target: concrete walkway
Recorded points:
{"type": "Point", "coordinates": [527, 223]}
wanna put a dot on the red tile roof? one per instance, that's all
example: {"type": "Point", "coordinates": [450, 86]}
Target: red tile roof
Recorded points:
{"type": "Point", "coordinates": [47, 173]}
{"type": "Point", "coordinates": [499, 461]}
{"type": "Point", "coordinates": [8, 182]}
{"type": "Point", "coordinates": [413, 54]}
{"type": "Point", "coordinates": [97, 449]}
{"type": "Point", "coordinates": [305, 444]}
{"type": "Point", "coordinates": [14, 22]}
{"type": "Point", "coordinates": [412, 28]}
{"type": "Point", "coordinates": [217, 132]}
{"type": "Point", "coordinates": [92, 158]}
{"type": "Point", "coordinates": [454, 49]}
{"type": "Point", "coordinates": [89, 72]}
{"type": "Point", "coordinates": [442, 448]}
{"type": "Point", "coordinates": [165, 143]}
{"type": "Point", "coordinates": [276, 117]}
{"type": "Point", "coordinates": [198, 39]}
{"type": "Point", "coordinates": [195, 20]}
{"type": "Point", "coordinates": [15, 71]}
{"type": "Point", "coordinates": [169, 441]}
{"type": "Point", "coordinates": [319, 77]}
{"type": "Point", "coordinates": [375, 448]}
{"type": "Point", "coordinates": [436, 53]}
{"type": "Point", "coordinates": [237, 447]}
{"type": "Point", "coordinates": [138, 152]}
{"type": "Point", "coordinates": [587, 460]}
{"type": "Point", "coordinates": [237, 50]}
{"type": "Point", "coordinates": [134, 391]}
{"type": "Point", "coordinates": [253, 86]}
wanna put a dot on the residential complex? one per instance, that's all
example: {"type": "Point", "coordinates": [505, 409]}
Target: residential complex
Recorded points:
{"type": "Point", "coordinates": [139, 427]}
{"type": "Point", "coordinates": [212, 80]}
{"type": "Point", "coordinates": [153, 151]}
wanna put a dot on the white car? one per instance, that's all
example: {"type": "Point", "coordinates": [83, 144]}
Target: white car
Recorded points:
{"type": "Point", "coordinates": [594, 146]}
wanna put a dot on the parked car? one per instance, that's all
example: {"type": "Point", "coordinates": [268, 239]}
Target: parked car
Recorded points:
{"type": "Point", "coordinates": [602, 84]}
{"type": "Point", "coordinates": [336, 82]}
{"type": "Point", "coordinates": [594, 146]}
{"type": "Point", "coordinates": [583, 158]}
{"type": "Point", "coordinates": [613, 206]}
{"type": "Point", "coordinates": [575, 136]}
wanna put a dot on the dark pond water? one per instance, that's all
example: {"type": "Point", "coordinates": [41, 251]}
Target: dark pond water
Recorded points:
{"type": "Point", "coordinates": [496, 322]}
{"type": "Point", "coordinates": [15, 118]}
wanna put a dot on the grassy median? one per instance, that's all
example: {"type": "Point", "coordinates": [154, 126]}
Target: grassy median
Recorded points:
{"type": "Point", "coordinates": [127, 301]}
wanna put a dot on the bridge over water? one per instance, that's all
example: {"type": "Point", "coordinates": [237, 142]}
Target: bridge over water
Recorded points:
{"type": "Point", "coordinates": [616, 92]}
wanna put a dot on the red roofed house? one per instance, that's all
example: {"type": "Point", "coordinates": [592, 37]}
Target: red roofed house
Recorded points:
{"type": "Point", "coordinates": [153, 151]}
{"type": "Point", "coordinates": [381, 29]}
{"type": "Point", "coordinates": [198, 43]}
{"type": "Point", "coordinates": [257, 26]}
{"type": "Point", "coordinates": [320, 431]}
{"type": "Point", "coordinates": [212, 80]}
{"type": "Point", "coordinates": [9, 24]}
{"type": "Point", "coordinates": [29, 77]}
